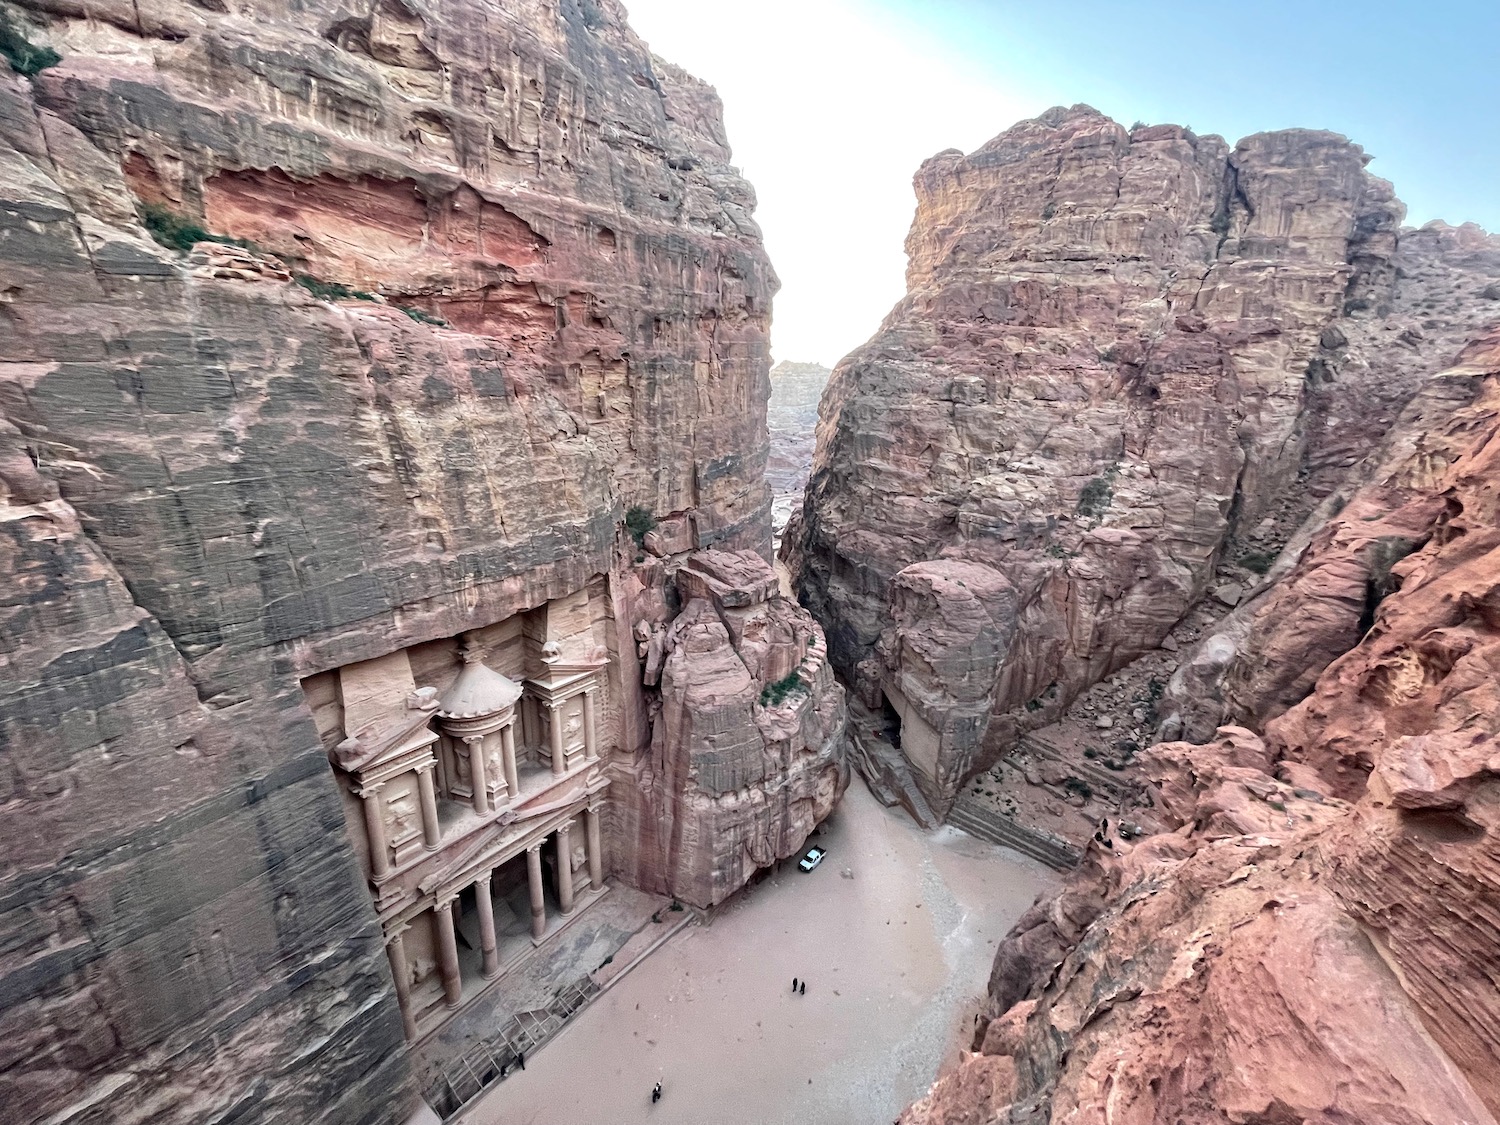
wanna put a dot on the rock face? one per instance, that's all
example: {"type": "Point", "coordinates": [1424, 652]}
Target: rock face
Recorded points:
{"type": "Point", "coordinates": [1123, 356]}
{"type": "Point", "coordinates": [746, 753]}
{"type": "Point", "coordinates": [531, 299]}
{"type": "Point", "coordinates": [1312, 935]}
{"type": "Point", "coordinates": [792, 419]}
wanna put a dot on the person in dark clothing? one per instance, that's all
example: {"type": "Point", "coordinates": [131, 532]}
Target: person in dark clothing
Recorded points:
{"type": "Point", "coordinates": [656, 1093]}
{"type": "Point", "coordinates": [522, 1057]}
{"type": "Point", "coordinates": [794, 984]}
{"type": "Point", "coordinates": [803, 989]}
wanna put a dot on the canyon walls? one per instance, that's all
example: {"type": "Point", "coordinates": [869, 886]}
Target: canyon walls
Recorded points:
{"type": "Point", "coordinates": [326, 331]}
{"type": "Point", "coordinates": [1311, 935]}
{"type": "Point", "coordinates": [1126, 357]}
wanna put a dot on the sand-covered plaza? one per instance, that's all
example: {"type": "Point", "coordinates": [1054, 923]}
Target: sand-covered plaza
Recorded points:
{"type": "Point", "coordinates": [894, 956]}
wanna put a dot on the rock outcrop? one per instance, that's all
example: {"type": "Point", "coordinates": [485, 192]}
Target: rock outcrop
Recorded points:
{"type": "Point", "coordinates": [1312, 935]}
{"type": "Point", "coordinates": [528, 300]}
{"type": "Point", "coordinates": [746, 754]}
{"type": "Point", "coordinates": [1124, 356]}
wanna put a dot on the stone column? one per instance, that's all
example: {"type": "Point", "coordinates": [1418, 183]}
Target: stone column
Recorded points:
{"type": "Point", "coordinates": [453, 985]}
{"type": "Point", "coordinates": [590, 737]}
{"type": "Point", "coordinates": [554, 714]}
{"type": "Point", "coordinates": [538, 891]}
{"type": "Point", "coordinates": [432, 831]}
{"type": "Point", "coordinates": [476, 774]}
{"type": "Point", "coordinates": [486, 926]}
{"type": "Point", "coordinates": [380, 854]}
{"type": "Point", "coordinates": [508, 756]}
{"type": "Point", "coordinates": [395, 949]}
{"type": "Point", "coordinates": [593, 841]}
{"type": "Point", "coordinates": [565, 866]}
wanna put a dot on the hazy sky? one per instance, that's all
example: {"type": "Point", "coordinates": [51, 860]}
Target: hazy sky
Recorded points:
{"type": "Point", "coordinates": [832, 105]}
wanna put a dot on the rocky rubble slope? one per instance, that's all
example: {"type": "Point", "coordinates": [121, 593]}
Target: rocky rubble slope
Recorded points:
{"type": "Point", "coordinates": [1312, 935]}
{"type": "Point", "coordinates": [327, 330]}
{"type": "Point", "coordinates": [1128, 360]}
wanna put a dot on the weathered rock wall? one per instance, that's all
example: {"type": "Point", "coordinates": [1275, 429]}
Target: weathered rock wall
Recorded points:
{"type": "Point", "coordinates": [1312, 934]}
{"type": "Point", "coordinates": [1122, 353]}
{"type": "Point", "coordinates": [217, 483]}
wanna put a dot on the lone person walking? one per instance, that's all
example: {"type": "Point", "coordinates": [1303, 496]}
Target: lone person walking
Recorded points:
{"type": "Point", "coordinates": [656, 1093]}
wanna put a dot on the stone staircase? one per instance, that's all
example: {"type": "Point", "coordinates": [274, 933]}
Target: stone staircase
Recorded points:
{"type": "Point", "coordinates": [984, 823]}
{"type": "Point", "coordinates": [495, 1058]}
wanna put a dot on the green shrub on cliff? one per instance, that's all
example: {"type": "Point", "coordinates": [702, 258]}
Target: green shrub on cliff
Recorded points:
{"type": "Point", "coordinates": [788, 685]}
{"type": "Point", "coordinates": [331, 290]}
{"type": "Point", "coordinates": [176, 232]}
{"type": "Point", "coordinates": [638, 521]}
{"type": "Point", "coordinates": [24, 56]}
{"type": "Point", "coordinates": [1095, 498]}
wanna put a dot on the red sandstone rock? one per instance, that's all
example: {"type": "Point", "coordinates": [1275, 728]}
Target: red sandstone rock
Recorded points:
{"type": "Point", "coordinates": [219, 485]}
{"type": "Point", "coordinates": [1281, 954]}
{"type": "Point", "coordinates": [1118, 351]}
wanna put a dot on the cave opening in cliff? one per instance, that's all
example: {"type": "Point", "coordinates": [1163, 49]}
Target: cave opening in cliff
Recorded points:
{"type": "Point", "coordinates": [890, 721]}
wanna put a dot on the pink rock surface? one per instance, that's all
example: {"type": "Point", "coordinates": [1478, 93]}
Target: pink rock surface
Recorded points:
{"type": "Point", "coordinates": [1121, 353]}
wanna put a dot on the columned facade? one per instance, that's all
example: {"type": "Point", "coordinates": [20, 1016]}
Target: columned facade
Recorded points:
{"type": "Point", "coordinates": [461, 797]}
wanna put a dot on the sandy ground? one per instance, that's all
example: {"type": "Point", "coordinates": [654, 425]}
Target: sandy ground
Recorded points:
{"type": "Point", "coordinates": [895, 959]}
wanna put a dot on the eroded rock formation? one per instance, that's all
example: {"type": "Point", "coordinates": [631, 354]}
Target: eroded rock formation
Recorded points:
{"type": "Point", "coordinates": [1312, 935]}
{"type": "Point", "coordinates": [529, 299]}
{"type": "Point", "coordinates": [1124, 356]}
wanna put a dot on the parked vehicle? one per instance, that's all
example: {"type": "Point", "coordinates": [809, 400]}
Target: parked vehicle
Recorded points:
{"type": "Point", "coordinates": [813, 857]}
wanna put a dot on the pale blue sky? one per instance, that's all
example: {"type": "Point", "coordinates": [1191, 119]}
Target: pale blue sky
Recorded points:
{"type": "Point", "coordinates": [832, 104]}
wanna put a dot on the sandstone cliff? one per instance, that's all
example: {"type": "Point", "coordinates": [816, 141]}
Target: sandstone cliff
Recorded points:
{"type": "Point", "coordinates": [1312, 937]}
{"type": "Point", "coordinates": [529, 300]}
{"type": "Point", "coordinates": [1127, 359]}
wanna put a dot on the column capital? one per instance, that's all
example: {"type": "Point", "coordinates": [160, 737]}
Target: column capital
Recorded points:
{"type": "Point", "coordinates": [536, 847]}
{"type": "Point", "coordinates": [553, 705]}
{"type": "Point", "coordinates": [396, 931]}
{"type": "Point", "coordinates": [445, 903]}
{"type": "Point", "coordinates": [370, 789]}
{"type": "Point", "coordinates": [426, 767]}
{"type": "Point", "coordinates": [483, 877]}
{"type": "Point", "coordinates": [473, 739]}
{"type": "Point", "coordinates": [568, 825]}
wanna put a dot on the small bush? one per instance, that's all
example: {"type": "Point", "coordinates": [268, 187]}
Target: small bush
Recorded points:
{"type": "Point", "coordinates": [24, 56]}
{"type": "Point", "coordinates": [774, 694]}
{"type": "Point", "coordinates": [1095, 498]}
{"type": "Point", "coordinates": [1220, 223]}
{"type": "Point", "coordinates": [423, 317]}
{"type": "Point", "coordinates": [1049, 210]}
{"type": "Point", "coordinates": [638, 521]}
{"type": "Point", "coordinates": [331, 290]}
{"type": "Point", "coordinates": [179, 233]}
{"type": "Point", "coordinates": [1258, 561]}
{"type": "Point", "coordinates": [1079, 786]}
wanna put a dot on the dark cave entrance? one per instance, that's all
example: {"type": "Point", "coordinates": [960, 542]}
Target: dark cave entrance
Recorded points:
{"type": "Point", "coordinates": [889, 721]}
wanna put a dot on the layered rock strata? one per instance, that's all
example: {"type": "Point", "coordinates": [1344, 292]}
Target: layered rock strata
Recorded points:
{"type": "Point", "coordinates": [529, 300]}
{"type": "Point", "coordinates": [747, 729]}
{"type": "Point", "coordinates": [792, 419]}
{"type": "Point", "coordinates": [1124, 356]}
{"type": "Point", "coordinates": [1312, 935]}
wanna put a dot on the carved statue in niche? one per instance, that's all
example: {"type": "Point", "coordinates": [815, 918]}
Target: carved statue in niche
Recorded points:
{"type": "Point", "coordinates": [401, 817]}
{"type": "Point", "coordinates": [419, 969]}
{"type": "Point", "coordinates": [461, 764]}
{"type": "Point", "coordinates": [580, 857]}
{"type": "Point", "coordinates": [573, 725]}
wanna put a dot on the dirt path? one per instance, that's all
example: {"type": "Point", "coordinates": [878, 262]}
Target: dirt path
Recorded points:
{"type": "Point", "coordinates": [894, 958]}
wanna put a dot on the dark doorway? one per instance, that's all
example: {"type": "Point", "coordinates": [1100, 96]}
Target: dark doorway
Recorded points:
{"type": "Point", "coordinates": [890, 722]}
